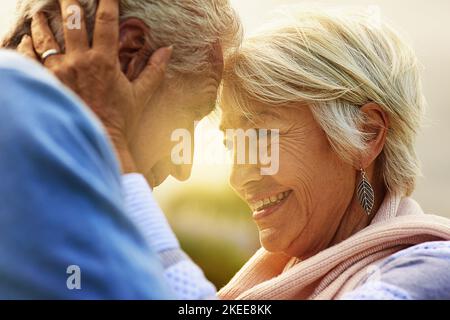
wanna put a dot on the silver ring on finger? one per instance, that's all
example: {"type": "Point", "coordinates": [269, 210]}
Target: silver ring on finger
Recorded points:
{"type": "Point", "coordinates": [49, 53]}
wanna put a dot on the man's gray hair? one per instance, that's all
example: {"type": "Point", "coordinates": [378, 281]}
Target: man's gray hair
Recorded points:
{"type": "Point", "coordinates": [193, 27]}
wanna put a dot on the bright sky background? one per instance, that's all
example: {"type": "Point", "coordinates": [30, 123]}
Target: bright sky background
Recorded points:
{"type": "Point", "coordinates": [426, 25]}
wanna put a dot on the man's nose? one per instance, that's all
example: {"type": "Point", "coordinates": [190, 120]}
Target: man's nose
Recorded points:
{"type": "Point", "coordinates": [182, 172]}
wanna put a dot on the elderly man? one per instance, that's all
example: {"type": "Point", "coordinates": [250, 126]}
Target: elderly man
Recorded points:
{"type": "Point", "coordinates": [80, 232]}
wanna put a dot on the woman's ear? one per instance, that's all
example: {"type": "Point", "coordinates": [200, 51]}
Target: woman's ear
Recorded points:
{"type": "Point", "coordinates": [134, 47]}
{"type": "Point", "coordinates": [376, 127]}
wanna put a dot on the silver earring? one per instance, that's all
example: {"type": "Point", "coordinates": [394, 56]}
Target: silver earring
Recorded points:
{"type": "Point", "coordinates": [365, 193]}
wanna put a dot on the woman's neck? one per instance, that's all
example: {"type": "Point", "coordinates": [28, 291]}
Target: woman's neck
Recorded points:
{"type": "Point", "coordinates": [355, 218]}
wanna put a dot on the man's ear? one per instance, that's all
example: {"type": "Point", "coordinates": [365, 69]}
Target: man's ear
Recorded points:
{"type": "Point", "coordinates": [134, 47]}
{"type": "Point", "coordinates": [376, 128]}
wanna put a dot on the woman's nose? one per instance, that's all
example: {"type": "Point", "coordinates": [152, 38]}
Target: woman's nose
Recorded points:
{"type": "Point", "coordinates": [243, 174]}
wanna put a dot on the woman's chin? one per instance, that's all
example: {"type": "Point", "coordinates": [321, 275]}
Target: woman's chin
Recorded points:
{"type": "Point", "coordinates": [272, 241]}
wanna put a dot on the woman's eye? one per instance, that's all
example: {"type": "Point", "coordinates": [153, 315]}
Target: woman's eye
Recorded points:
{"type": "Point", "coordinates": [264, 134]}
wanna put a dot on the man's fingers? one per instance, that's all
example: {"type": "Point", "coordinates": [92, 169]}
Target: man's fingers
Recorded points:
{"type": "Point", "coordinates": [153, 75]}
{"type": "Point", "coordinates": [106, 32]}
{"type": "Point", "coordinates": [25, 47]}
{"type": "Point", "coordinates": [43, 38]}
{"type": "Point", "coordinates": [75, 34]}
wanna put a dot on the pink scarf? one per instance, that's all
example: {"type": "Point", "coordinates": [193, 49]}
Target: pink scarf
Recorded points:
{"type": "Point", "coordinates": [398, 224]}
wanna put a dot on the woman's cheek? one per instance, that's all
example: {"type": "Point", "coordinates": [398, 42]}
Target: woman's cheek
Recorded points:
{"type": "Point", "coordinates": [286, 161]}
{"type": "Point", "coordinates": [293, 161]}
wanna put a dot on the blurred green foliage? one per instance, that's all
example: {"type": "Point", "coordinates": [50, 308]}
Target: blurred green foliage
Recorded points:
{"type": "Point", "coordinates": [214, 227]}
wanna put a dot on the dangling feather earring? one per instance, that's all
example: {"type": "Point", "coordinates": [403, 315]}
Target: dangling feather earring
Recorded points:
{"type": "Point", "coordinates": [365, 193]}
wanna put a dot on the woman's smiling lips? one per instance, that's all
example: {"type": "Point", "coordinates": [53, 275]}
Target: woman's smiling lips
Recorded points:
{"type": "Point", "coordinates": [267, 205]}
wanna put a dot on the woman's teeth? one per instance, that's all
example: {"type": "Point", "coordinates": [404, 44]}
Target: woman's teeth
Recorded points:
{"type": "Point", "coordinates": [270, 201]}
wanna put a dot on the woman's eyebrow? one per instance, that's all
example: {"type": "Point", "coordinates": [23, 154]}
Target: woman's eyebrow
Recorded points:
{"type": "Point", "coordinates": [269, 112]}
{"type": "Point", "coordinates": [248, 117]}
{"type": "Point", "coordinates": [257, 118]}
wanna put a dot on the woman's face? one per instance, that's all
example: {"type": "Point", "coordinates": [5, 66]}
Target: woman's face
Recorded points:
{"type": "Point", "coordinates": [311, 190]}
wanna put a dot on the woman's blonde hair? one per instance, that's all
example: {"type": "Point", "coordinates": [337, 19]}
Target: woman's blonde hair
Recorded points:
{"type": "Point", "coordinates": [336, 61]}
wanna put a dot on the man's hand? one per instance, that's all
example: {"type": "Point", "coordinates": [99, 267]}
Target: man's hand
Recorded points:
{"type": "Point", "coordinates": [94, 72]}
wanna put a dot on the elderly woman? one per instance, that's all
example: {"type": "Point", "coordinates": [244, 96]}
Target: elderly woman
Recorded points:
{"type": "Point", "coordinates": [336, 221]}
